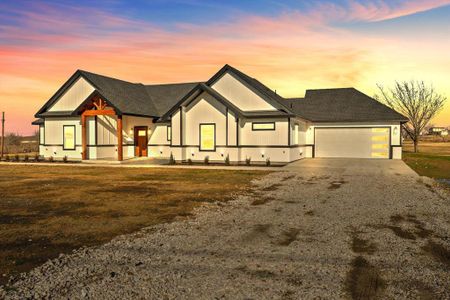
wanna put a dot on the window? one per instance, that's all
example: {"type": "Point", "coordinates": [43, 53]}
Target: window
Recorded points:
{"type": "Point", "coordinates": [169, 133]}
{"type": "Point", "coordinates": [263, 126]}
{"type": "Point", "coordinates": [41, 135]}
{"type": "Point", "coordinates": [207, 137]}
{"type": "Point", "coordinates": [69, 137]}
{"type": "Point", "coordinates": [296, 134]}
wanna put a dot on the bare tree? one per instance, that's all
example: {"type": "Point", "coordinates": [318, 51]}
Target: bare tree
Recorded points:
{"type": "Point", "coordinates": [415, 100]}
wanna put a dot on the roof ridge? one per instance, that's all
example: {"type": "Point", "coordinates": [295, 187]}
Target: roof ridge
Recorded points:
{"type": "Point", "coordinates": [332, 89]}
{"type": "Point", "coordinates": [176, 83]}
{"type": "Point", "coordinates": [109, 77]}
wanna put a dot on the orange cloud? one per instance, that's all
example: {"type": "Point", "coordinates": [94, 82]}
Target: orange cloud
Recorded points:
{"type": "Point", "coordinates": [290, 52]}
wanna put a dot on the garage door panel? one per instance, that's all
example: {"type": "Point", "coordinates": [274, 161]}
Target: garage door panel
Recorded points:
{"type": "Point", "coordinates": [352, 142]}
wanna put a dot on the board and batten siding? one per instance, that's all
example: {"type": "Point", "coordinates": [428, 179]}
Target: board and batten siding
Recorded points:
{"type": "Point", "coordinates": [207, 110]}
{"type": "Point", "coordinates": [54, 138]}
{"type": "Point", "coordinates": [239, 94]}
{"type": "Point", "coordinates": [159, 145]}
{"type": "Point", "coordinates": [277, 137]}
{"type": "Point", "coordinates": [73, 96]}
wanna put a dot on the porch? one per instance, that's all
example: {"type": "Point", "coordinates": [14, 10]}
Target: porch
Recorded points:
{"type": "Point", "coordinates": [108, 135]}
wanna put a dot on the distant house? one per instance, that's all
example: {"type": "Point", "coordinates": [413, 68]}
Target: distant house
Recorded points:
{"type": "Point", "coordinates": [231, 115]}
{"type": "Point", "coordinates": [442, 131]}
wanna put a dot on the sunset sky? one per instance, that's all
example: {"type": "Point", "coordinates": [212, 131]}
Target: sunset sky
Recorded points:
{"type": "Point", "coordinates": [289, 45]}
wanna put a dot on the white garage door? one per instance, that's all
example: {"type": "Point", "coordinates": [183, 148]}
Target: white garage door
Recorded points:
{"type": "Point", "coordinates": [352, 142]}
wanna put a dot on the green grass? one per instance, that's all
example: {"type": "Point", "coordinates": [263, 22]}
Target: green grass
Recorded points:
{"type": "Point", "coordinates": [429, 164]}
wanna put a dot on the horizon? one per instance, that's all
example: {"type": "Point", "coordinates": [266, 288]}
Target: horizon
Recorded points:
{"type": "Point", "coordinates": [290, 46]}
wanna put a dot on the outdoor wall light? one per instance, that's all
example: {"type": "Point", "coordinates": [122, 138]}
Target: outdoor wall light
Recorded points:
{"type": "Point", "coordinates": [131, 131]}
{"type": "Point", "coordinates": [262, 155]}
{"type": "Point", "coordinates": [160, 151]}
{"type": "Point", "coordinates": [395, 130]}
{"type": "Point", "coordinates": [221, 154]}
{"type": "Point", "coordinates": [192, 153]}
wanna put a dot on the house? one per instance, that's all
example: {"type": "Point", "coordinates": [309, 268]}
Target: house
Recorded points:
{"type": "Point", "coordinates": [442, 131]}
{"type": "Point", "coordinates": [97, 117]}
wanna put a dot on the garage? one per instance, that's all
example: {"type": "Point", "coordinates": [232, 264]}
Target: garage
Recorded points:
{"type": "Point", "coordinates": [357, 142]}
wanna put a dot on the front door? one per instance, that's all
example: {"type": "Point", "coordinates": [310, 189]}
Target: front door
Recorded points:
{"type": "Point", "coordinates": [140, 141]}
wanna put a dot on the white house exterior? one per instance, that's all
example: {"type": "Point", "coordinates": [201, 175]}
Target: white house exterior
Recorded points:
{"type": "Point", "coordinates": [231, 115]}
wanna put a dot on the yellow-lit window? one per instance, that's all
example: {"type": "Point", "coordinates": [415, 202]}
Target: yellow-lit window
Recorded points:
{"type": "Point", "coordinates": [142, 132]}
{"type": "Point", "coordinates": [169, 133]}
{"type": "Point", "coordinates": [295, 134]}
{"type": "Point", "coordinates": [207, 137]}
{"type": "Point", "coordinates": [69, 137]}
{"type": "Point", "coordinates": [263, 126]}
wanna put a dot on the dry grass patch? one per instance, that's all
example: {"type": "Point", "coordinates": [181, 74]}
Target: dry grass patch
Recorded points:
{"type": "Point", "coordinates": [48, 210]}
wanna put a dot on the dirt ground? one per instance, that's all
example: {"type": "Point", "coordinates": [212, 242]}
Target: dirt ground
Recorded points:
{"type": "Point", "coordinates": [48, 210]}
{"type": "Point", "coordinates": [325, 228]}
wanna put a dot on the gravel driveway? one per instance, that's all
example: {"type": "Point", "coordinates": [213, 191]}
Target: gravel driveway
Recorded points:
{"type": "Point", "coordinates": [324, 228]}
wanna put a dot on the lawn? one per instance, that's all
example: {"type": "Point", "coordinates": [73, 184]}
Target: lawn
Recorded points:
{"type": "Point", "coordinates": [48, 210]}
{"type": "Point", "coordinates": [433, 160]}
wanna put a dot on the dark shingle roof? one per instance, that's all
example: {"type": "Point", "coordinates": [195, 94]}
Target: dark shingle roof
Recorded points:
{"type": "Point", "coordinates": [126, 97]}
{"type": "Point", "coordinates": [130, 98]}
{"type": "Point", "coordinates": [165, 96]}
{"type": "Point", "coordinates": [38, 122]}
{"type": "Point", "coordinates": [341, 105]}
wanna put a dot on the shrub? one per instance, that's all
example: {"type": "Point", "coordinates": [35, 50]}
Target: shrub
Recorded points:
{"type": "Point", "coordinates": [50, 159]}
{"type": "Point", "coordinates": [7, 158]}
{"type": "Point", "coordinates": [65, 158]}
{"type": "Point", "coordinates": [227, 160]}
{"type": "Point", "coordinates": [26, 157]}
{"type": "Point", "coordinates": [16, 157]}
{"type": "Point", "coordinates": [248, 160]}
{"type": "Point", "coordinates": [189, 161]}
{"type": "Point", "coordinates": [206, 160]}
{"type": "Point", "coordinates": [171, 159]}
{"type": "Point", "coordinates": [37, 158]}
{"type": "Point", "coordinates": [268, 162]}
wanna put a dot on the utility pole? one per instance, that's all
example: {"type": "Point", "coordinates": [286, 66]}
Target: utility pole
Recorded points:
{"type": "Point", "coordinates": [3, 133]}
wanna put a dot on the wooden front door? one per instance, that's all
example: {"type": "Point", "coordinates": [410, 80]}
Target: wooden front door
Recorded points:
{"type": "Point", "coordinates": [140, 141]}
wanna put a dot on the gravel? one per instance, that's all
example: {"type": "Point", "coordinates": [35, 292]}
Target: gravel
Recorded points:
{"type": "Point", "coordinates": [332, 230]}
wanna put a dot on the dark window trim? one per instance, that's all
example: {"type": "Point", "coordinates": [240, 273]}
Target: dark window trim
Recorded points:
{"type": "Point", "coordinates": [226, 126]}
{"type": "Point", "coordinates": [169, 136]}
{"type": "Point", "coordinates": [181, 125]}
{"type": "Point", "coordinates": [96, 130]}
{"type": "Point", "coordinates": [289, 131]}
{"type": "Point", "coordinates": [237, 131]}
{"type": "Point", "coordinates": [272, 129]}
{"type": "Point", "coordinates": [200, 137]}
{"type": "Point", "coordinates": [74, 137]}
{"type": "Point", "coordinates": [42, 142]}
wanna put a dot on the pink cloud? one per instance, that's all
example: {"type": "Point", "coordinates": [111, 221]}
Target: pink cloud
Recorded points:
{"type": "Point", "coordinates": [290, 52]}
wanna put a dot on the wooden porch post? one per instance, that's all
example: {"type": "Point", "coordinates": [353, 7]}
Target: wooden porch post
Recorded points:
{"type": "Point", "coordinates": [119, 139]}
{"type": "Point", "coordinates": [83, 137]}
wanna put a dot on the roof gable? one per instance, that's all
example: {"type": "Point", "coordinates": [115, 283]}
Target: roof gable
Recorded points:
{"type": "Point", "coordinates": [273, 100]}
{"type": "Point", "coordinates": [76, 93]}
{"type": "Point", "coordinates": [125, 97]}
